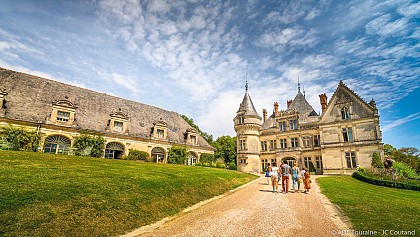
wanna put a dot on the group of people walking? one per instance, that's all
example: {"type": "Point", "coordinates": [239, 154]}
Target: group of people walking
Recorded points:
{"type": "Point", "coordinates": [285, 173]}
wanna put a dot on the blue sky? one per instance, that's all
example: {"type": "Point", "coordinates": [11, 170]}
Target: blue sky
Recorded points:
{"type": "Point", "coordinates": [193, 56]}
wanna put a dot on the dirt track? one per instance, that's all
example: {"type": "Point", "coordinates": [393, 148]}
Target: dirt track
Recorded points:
{"type": "Point", "coordinates": [256, 211]}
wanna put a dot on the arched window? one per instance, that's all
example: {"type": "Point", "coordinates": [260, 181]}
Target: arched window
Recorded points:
{"type": "Point", "coordinates": [56, 144]}
{"type": "Point", "coordinates": [345, 113]}
{"type": "Point", "coordinates": [158, 155]}
{"type": "Point", "coordinates": [114, 150]}
{"type": "Point", "coordinates": [191, 158]}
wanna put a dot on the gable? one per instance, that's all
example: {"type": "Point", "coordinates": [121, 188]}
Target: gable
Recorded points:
{"type": "Point", "coordinates": [344, 98]}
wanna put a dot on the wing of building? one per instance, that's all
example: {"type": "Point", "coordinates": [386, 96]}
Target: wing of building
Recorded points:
{"type": "Point", "coordinates": [60, 112]}
{"type": "Point", "coordinates": [344, 136]}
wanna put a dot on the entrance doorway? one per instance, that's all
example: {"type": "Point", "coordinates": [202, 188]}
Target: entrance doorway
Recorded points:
{"type": "Point", "coordinates": [114, 150]}
{"type": "Point", "coordinates": [158, 155]}
{"type": "Point", "coordinates": [290, 161]}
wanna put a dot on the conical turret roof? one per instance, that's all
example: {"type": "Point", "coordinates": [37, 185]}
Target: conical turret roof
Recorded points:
{"type": "Point", "coordinates": [247, 107]}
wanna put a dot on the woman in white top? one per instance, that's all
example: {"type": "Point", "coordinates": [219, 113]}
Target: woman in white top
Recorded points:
{"type": "Point", "coordinates": [274, 177]}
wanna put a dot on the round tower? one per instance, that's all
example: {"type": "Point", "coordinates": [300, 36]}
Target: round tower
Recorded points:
{"type": "Point", "coordinates": [247, 124]}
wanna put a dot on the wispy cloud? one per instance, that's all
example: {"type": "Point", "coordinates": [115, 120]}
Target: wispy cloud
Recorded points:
{"type": "Point", "coordinates": [401, 121]}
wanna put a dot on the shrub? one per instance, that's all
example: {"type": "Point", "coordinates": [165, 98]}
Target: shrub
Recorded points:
{"type": "Point", "coordinates": [221, 165]}
{"type": "Point", "coordinates": [137, 155]}
{"type": "Point", "coordinates": [232, 166]}
{"type": "Point", "coordinates": [205, 164]}
{"type": "Point", "coordinates": [214, 165]}
{"type": "Point", "coordinates": [177, 155]}
{"type": "Point", "coordinates": [20, 139]}
{"type": "Point", "coordinates": [207, 158]}
{"type": "Point", "coordinates": [377, 161]}
{"type": "Point", "coordinates": [402, 184]}
{"type": "Point", "coordinates": [405, 170]}
{"type": "Point", "coordinates": [89, 145]}
{"type": "Point", "coordinates": [198, 164]}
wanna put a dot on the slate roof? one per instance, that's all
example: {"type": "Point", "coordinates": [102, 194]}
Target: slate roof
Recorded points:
{"type": "Point", "coordinates": [247, 106]}
{"type": "Point", "coordinates": [306, 112]}
{"type": "Point", "coordinates": [30, 99]}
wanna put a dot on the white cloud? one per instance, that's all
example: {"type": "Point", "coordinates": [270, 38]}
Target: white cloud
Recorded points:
{"type": "Point", "coordinates": [401, 121]}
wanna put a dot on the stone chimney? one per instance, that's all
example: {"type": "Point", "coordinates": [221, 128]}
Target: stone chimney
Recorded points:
{"type": "Point", "coordinates": [276, 107]}
{"type": "Point", "coordinates": [289, 102]}
{"type": "Point", "coordinates": [323, 101]}
{"type": "Point", "coordinates": [264, 115]}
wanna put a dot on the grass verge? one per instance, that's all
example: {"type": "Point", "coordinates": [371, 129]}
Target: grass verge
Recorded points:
{"type": "Point", "coordinates": [58, 195]}
{"type": "Point", "coordinates": [374, 208]}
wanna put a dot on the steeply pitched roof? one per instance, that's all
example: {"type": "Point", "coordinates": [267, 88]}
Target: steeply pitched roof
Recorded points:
{"type": "Point", "coordinates": [30, 98]}
{"type": "Point", "coordinates": [247, 106]}
{"type": "Point", "coordinates": [301, 105]}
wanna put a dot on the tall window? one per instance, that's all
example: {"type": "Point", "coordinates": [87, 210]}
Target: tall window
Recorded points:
{"type": "Point", "coordinates": [264, 145]}
{"type": "Point", "coordinates": [307, 162]}
{"type": "Point", "coordinates": [282, 126]}
{"type": "Point", "coordinates": [118, 126]}
{"type": "Point", "coordinates": [283, 143]}
{"type": "Point", "coordinates": [265, 164]}
{"type": "Point", "coordinates": [306, 141]}
{"type": "Point", "coordinates": [351, 160]}
{"type": "Point", "coordinates": [317, 140]}
{"type": "Point", "coordinates": [318, 161]}
{"type": "Point", "coordinates": [273, 144]}
{"type": "Point", "coordinates": [242, 144]}
{"type": "Point", "coordinates": [345, 114]}
{"type": "Point", "coordinates": [294, 142]}
{"type": "Point", "coordinates": [293, 124]}
{"type": "Point", "coordinates": [63, 116]}
{"type": "Point", "coordinates": [347, 134]}
{"type": "Point", "coordinates": [273, 161]}
{"type": "Point", "coordinates": [241, 120]}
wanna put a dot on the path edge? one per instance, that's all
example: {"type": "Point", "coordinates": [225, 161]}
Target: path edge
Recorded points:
{"type": "Point", "coordinates": [149, 228]}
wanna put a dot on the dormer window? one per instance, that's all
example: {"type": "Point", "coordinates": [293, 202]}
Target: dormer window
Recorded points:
{"type": "Point", "coordinates": [160, 130]}
{"type": "Point", "coordinates": [293, 124]}
{"type": "Point", "coordinates": [193, 139]}
{"type": "Point", "coordinates": [63, 112]}
{"type": "Point", "coordinates": [3, 94]}
{"type": "Point", "coordinates": [345, 113]}
{"type": "Point", "coordinates": [118, 122]}
{"type": "Point", "coordinates": [160, 133]}
{"type": "Point", "coordinates": [192, 135]}
{"type": "Point", "coordinates": [63, 116]}
{"type": "Point", "coordinates": [118, 126]}
{"type": "Point", "coordinates": [241, 120]}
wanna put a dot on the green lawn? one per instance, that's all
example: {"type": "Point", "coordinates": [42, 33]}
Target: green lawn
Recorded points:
{"type": "Point", "coordinates": [372, 207]}
{"type": "Point", "coordinates": [58, 195]}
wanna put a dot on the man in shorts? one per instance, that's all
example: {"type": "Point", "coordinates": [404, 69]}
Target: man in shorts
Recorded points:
{"type": "Point", "coordinates": [285, 171]}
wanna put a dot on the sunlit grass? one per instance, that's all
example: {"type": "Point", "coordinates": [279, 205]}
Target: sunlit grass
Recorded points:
{"type": "Point", "coordinates": [372, 207]}
{"type": "Point", "coordinates": [57, 195]}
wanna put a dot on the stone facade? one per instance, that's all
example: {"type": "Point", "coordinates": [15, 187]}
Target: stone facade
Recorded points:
{"type": "Point", "coordinates": [344, 136]}
{"type": "Point", "coordinates": [59, 112]}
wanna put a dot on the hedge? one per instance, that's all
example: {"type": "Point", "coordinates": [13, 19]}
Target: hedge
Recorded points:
{"type": "Point", "coordinates": [407, 184]}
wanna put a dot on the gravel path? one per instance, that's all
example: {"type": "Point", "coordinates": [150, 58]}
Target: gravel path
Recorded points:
{"type": "Point", "coordinates": [256, 211]}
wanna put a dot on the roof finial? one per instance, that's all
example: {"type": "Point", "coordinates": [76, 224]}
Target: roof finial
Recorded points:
{"type": "Point", "coordinates": [246, 84]}
{"type": "Point", "coordinates": [298, 84]}
{"type": "Point", "coordinates": [304, 96]}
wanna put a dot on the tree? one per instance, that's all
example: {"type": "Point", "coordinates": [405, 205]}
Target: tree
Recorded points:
{"type": "Point", "coordinates": [377, 161]}
{"type": "Point", "coordinates": [407, 155]}
{"type": "Point", "coordinates": [206, 136]}
{"type": "Point", "coordinates": [388, 149]}
{"type": "Point", "coordinates": [225, 149]}
{"type": "Point", "coordinates": [177, 155]}
{"type": "Point", "coordinates": [95, 144]}
{"type": "Point", "coordinates": [20, 139]}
